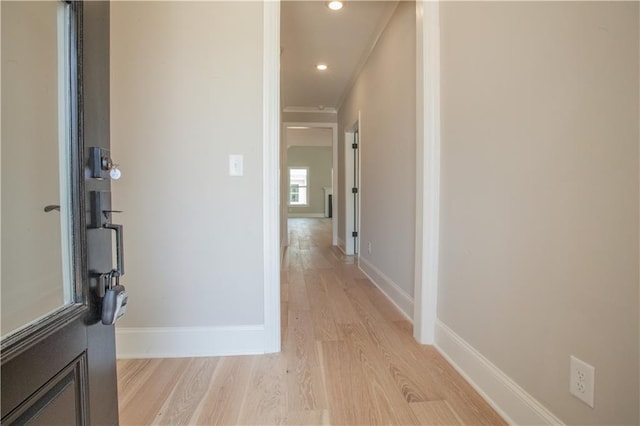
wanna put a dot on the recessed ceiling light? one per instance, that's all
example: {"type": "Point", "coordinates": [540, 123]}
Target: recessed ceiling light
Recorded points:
{"type": "Point", "coordinates": [321, 67]}
{"type": "Point", "coordinates": [335, 5]}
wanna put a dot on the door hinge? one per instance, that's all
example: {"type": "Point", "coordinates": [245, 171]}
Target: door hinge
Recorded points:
{"type": "Point", "coordinates": [354, 190]}
{"type": "Point", "coordinates": [354, 234]}
{"type": "Point", "coordinates": [354, 145]}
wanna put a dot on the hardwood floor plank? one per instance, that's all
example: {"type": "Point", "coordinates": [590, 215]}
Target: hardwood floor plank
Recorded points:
{"type": "Point", "coordinates": [304, 377]}
{"type": "Point", "coordinates": [145, 404]}
{"type": "Point", "coordinates": [298, 297]}
{"type": "Point", "coordinates": [347, 393]}
{"type": "Point", "coordinates": [223, 400]}
{"type": "Point", "coordinates": [284, 288]}
{"type": "Point", "coordinates": [293, 261]}
{"type": "Point", "coordinates": [284, 319]}
{"type": "Point", "coordinates": [387, 398]}
{"type": "Point", "coordinates": [304, 244]}
{"type": "Point", "coordinates": [265, 400]}
{"type": "Point", "coordinates": [304, 418]}
{"type": "Point", "coordinates": [339, 302]}
{"type": "Point", "coordinates": [322, 320]}
{"type": "Point", "coordinates": [188, 392]}
{"type": "Point", "coordinates": [132, 375]}
{"type": "Point", "coordinates": [435, 413]}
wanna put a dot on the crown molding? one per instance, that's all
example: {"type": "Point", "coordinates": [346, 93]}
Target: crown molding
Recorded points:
{"type": "Point", "coordinates": [316, 110]}
{"type": "Point", "coordinates": [382, 25]}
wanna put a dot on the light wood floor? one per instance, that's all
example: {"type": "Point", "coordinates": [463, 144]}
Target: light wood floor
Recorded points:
{"type": "Point", "coordinates": [348, 357]}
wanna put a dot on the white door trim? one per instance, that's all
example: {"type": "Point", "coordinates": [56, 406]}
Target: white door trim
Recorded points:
{"type": "Point", "coordinates": [271, 168]}
{"type": "Point", "coordinates": [348, 247]}
{"type": "Point", "coordinates": [334, 177]}
{"type": "Point", "coordinates": [352, 247]}
{"type": "Point", "coordinates": [427, 170]}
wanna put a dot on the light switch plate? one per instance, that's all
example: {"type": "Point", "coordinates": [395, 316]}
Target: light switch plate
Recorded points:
{"type": "Point", "coordinates": [235, 165]}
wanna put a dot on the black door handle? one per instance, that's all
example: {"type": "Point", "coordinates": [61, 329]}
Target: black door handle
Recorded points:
{"type": "Point", "coordinates": [119, 246]}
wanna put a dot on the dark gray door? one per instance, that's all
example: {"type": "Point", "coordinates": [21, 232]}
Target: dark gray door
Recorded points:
{"type": "Point", "coordinates": [57, 358]}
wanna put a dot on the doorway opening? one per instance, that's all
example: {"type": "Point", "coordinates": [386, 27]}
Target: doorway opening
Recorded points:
{"type": "Point", "coordinates": [312, 147]}
{"type": "Point", "coordinates": [308, 92]}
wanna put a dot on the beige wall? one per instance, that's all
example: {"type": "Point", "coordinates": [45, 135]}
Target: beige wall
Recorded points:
{"type": "Point", "coordinates": [318, 160]}
{"type": "Point", "coordinates": [384, 93]}
{"type": "Point", "coordinates": [539, 220]}
{"type": "Point", "coordinates": [32, 276]}
{"type": "Point", "coordinates": [314, 136]}
{"type": "Point", "coordinates": [183, 99]}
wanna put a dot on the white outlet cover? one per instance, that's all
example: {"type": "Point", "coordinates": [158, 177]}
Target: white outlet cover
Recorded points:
{"type": "Point", "coordinates": [582, 381]}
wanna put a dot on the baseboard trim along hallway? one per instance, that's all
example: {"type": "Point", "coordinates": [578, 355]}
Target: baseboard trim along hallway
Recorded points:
{"type": "Point", "coordinates": [509, 400]}
{"type": "Point", "coordinates": [394, 293]}
{"type": "Point", "coordinates": [176, 342]}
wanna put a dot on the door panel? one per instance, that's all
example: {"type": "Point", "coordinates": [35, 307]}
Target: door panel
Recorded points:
{"type": "Point", "coordinates": [25, 374]}
{"type": "Point", "coordinates": [64, 408]}
{"type": "Point", "coordinates": [61, 369]}
{"type": "Point", "coordinates": [61, 401]}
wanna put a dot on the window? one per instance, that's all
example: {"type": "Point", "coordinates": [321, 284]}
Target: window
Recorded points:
{"type": "Point", "coordinates": [298, 182]}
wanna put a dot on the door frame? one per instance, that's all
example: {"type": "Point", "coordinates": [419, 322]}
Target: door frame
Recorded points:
{"type": "Point", "coordinates": [427, 253]}
{"type": "Point", "coordinates": [270, 174]}
{"type": "Point", "coordinates": [352, 247]}
{"type": "Point", "coordinates": [334, 176]}
{"type": "Point", "coordinates": [427, 171]}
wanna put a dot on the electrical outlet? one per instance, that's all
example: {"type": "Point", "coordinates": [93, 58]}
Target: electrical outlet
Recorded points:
{"type": "Point", "coordinates": [582, 380]}
{"type": "Point", "coordinates": [369, 247]}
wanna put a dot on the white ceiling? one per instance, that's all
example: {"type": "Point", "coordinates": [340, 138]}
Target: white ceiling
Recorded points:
{"type": "Point", "coordinates": [311, 33]}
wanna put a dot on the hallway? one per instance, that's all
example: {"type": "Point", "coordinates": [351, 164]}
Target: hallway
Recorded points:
{"type": "Point", "coordinates": [348, 357]}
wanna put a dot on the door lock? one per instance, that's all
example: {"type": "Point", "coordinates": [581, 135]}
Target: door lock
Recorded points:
{"type": "Point", "coordinates": [101, 164]}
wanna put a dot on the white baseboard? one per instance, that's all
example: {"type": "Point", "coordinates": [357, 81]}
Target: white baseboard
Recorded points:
{"type": "Point", "coordinates": [178, 342]}
{"type": "Point", "coordinates": [294, 215]}
{"type": "Point", "coordinates": [394, 293]}
{"type": "Point", "coordinates": [512, 402]}
{"type": "Point", "coordinates": [342, 246]}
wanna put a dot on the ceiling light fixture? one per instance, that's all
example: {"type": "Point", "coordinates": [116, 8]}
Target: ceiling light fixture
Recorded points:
{"type": "Point", "coordinates": [335, 5]}
{"type": "Point", "coordinates": [321, 67]}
